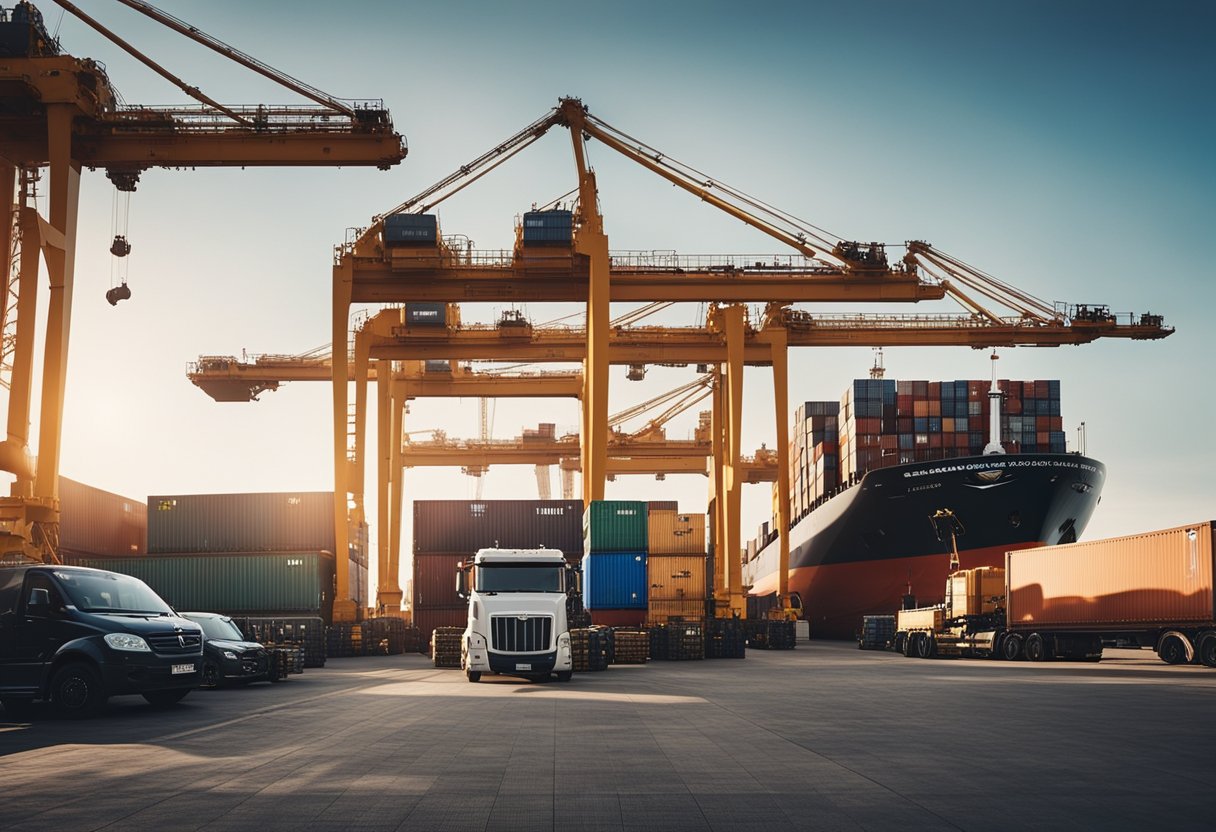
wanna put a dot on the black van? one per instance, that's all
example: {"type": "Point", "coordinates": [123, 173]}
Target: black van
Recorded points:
{"type": "Point", "coordinates": [76, 636]}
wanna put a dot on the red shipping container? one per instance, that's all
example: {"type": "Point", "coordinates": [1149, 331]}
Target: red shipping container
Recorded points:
{"type": "Point", "coordinates": [1027, 389]}
{"type": "Point", "coordinates": [435, 581]}
{"type": "Point", "coordinates": [890, 442]}
{"type": "Point", "coordinates": [935, 390]}
{"type": "Point", "coordinates": [619, 618]}
{"type": "Point", "coordinates": [961, 440]}
{"type": "Point", "coordinates": [1055, 423]}
{"type": "Point", "coordinates": [428, 620]}
{"type": "Point", "coordinates": [1012, 406]}
{"type": "Point", "coordinates": [1119, 584]}
{"type": "Point", "coordinates": [935, 440]}
{"type": "Point", "coordinates": [904, 424]}
{"type": "Point", "coordinates": [96, 522]}
{"type": "Point", "coordinates": [903, 404]}
{"type": "Point", "coordinates": [935, 407]}
{"type": "Point", "coordinates": [1041, 390]}
{"type": "Point", "coordinates": [1042, 423]}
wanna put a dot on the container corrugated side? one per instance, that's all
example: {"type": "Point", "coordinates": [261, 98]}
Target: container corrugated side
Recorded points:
{"type": "Point", "coordinates": [658, 612]}
{"type": "Point", "coordinates": [96, 522]}
{"type": "Point", "coordinates": [675, 577]}
{"type": "Point", "coordinates": [614, 580]}
{"type": "Point", "coordinates": [435, 581]}
{"type": "Point", "coordinates": [261, 522]}
{"type": "Point", "coordinates": [671, 533]}
{"type": "Point", "coordinates": [248, 583]}
{"type": "Point", "coordinates": [446, 526]}
{"type": "Point", "coordinates": [1119, 583]}
{"type": "Point", "coordinates": [615, 526]}
{"type": "Point", "coordinates": [427, 620]}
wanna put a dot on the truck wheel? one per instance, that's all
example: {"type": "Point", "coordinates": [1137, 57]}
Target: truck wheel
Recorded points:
{"type": "Point", "coordinates": [76, 690]}
{"type": "Point", "coordinates": [1011, 648]}
{"type": "Point", "coordinates": [1207, 650]}
{"type": "Point", "coordinates": [900, 639]}
{"type": "Point", "coordinates": [909, 646]}
{"type": "Point", "coordinates": [997, 644]}
{"type": "Point", "coordinates": [1036, 649]}
{"type": "Point", "coordinates": [473, 675]}
{"type": "Point", "coordinates": [926, 647]}
{"type": "Point", "coordinates": [1172, 650]}
{"type": "Point", "coordinates": [164, 698]}
{"type": "Point", "coordinates": [565, 675]}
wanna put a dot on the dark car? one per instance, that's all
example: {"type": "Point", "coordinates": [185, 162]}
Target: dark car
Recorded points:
{"type": "Point", "coordinates": [228, 658]}
{"type": "Point", "coordinates": [75, 637]}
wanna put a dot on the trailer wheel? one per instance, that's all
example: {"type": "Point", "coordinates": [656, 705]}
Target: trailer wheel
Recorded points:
{"type": "Point", "coordinates": [900, 640]}
{"type": "Point", "coordinates": [1011, 648]}
{"type": "Point", "coordinates": [926, 647]}
{"type": "Point", "coordinates": [997, 643]}
{"type": "Point", "coordinates": [473, 675]}
{"type": "Point", "coordinates": [1035, 649]}
{"type": "Point", "coordinates": [910, 644]}
{"type": "Point", "coordinates": [1207, 650]}
{"type": "Point", "coordinates": [1172, 650]}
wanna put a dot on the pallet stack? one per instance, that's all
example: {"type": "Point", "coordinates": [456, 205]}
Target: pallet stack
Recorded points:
{"type": "Point", "coordinates": [767, 634]}
{"type": "Point", "coordinates": [305, 632]}
{"type": "Point", "coordinates": [631, 647]}
{"type": "Point", "coordinates": [344, 640]}
{"type": "Point", "coordinates": [589, 649]}
{"type": "Point", "coordinates": [726, 638]}
{"type": "Point", "coordinates": [877, 632]}
{"type": "Point", "coordinates": [678, 641]}
{"type": "Point", "coordinates": [445, 646]}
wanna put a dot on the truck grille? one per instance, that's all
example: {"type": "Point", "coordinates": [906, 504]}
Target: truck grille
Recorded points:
{"type": "Point", "coordinates": [176, 644]}
{"type": "Point", "coordinates": [512, 634]}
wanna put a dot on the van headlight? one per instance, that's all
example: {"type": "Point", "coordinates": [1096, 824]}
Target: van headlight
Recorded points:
{"type": "Point", "coordinates": [228, 654]}
{"type": "Point", "coordinates": [126, 641]}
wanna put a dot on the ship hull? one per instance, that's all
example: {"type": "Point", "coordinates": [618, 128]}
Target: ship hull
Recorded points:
{"type": "Point", "coordinates": [861, 551]}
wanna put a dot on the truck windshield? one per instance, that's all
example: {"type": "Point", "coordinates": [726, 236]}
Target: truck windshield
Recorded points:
{"type": "Point", "coordinates": [519, 577]}
{"type": "Point", "coordinates": [110, 592]}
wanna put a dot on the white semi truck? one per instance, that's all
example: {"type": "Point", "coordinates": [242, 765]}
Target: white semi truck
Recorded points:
{"type": "Point", "coordinates": [517, 621]}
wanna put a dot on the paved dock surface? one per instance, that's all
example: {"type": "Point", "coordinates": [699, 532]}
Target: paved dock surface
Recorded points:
{"type": "Point", "coordinates": [826, 737]}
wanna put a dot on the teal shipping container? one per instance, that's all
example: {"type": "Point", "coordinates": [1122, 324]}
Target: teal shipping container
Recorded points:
{"type": "Point", "coordinates": [615, 526]}
{"type": "Point", "coordinates": [297, 583]}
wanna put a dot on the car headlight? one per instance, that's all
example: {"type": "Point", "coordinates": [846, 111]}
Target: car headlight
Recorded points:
{"type": "Point", "coordinates": [125, 641]}
{"type": "Point", "coordinates": [228, 654]}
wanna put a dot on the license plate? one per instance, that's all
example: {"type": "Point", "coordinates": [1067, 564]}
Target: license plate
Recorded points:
{"type": "Point", "coordinates": [523, 667]}
{"type": "Point", "coordinates": [182, 668]}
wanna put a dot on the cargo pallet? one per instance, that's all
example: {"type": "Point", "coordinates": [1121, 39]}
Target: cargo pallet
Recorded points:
{"type": "Point", "coordinates": [767, 634]}
{"type": "Point", "coordinates": [678, 641]}
{"type": "Point", "coordinates": [631, 646]}
{"type": "Point", "coordinates": [445, 646]}
{"type": "Point", "coordinates": [307, 632]}
{"type": "Point", "coordinates": [589, 649]}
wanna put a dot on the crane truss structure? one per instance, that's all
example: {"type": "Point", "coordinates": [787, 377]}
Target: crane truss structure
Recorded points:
{"type": "Point", "coordinates": [62, 114]}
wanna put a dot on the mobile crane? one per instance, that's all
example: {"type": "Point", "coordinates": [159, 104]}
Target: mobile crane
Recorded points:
{"type": "Point", "coordinates": [61, 113]}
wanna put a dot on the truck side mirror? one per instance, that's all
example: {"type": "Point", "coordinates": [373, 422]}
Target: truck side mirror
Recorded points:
{"type": "Point", "coordinates": [39, 603]}
{"type": "Point", "coordinates": [462, 580]}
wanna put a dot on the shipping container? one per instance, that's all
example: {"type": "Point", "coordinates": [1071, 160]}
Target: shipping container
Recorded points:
{"type": "Point", "coordinates": [659, 612]}
{"type": "Point", "coordinates": [615, 526]}
{"type": "Point", "coordinates": [663, 505]}
{"type": "Point", "coordinates": [435, 580]}
{"type": "Point", "coordinates": [548, 228]}
{"type": "Point", "coordinates": [619, 618]}
{"type": "Point", "coordinates": [410, 230]}
{"type": "Point", "coordinates": [263, 522]}
{"type": "Point", "coordinates": [429, 313]}
{"type": "Point", "coordinates": [614, 580]}
{"type": "Point", "coordinates": [249, 583]}
{"type": "Point", "coordinates": [671, 533]}
{"type": "Point", "coordinates": [448, 526]}
{"type": "Point", "coordinates": [428, 620]}
{"type": "Point", "coordinates": [675, 577]}
{"type": "Point", "coordinates": [96, 522]}
{"type": "Point", "coordinates": [1120, 584]}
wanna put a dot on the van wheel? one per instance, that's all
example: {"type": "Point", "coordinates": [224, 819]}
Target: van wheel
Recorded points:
{"type": "Point", "coordinates": [473, 675]}
{"type": "Point", "coordinates": [163, 698]}
{"type": "Point", "coordinates": [211, 676]}
{"type": "Point", "coordinates": [565, 675]}
{"type": "Point", "coordinates": [76, 690]}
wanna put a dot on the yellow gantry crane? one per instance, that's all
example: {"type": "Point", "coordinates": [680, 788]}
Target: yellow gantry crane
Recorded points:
{"type": "Point", "coordinates": [61, 113]}
{"type": "Point", "coordinates": [821, 268]}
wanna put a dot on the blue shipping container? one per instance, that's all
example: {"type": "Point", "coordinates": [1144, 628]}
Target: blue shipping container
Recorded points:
{"type": "Point", "coordinates": [614, 581]}
{"type": "Point", "coordinates": [410, 230]}
{"type": "Point", "coordinates": [548, 227]}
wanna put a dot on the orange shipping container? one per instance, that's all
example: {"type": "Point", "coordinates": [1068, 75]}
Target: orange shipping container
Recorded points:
{"type": "Point", "coordinates": [1120, 584]}
{"type": "Point", "coordinates": [660, 611]}
{"type": "Point", "coordinates": [671, 533]}
{"type": "Point", "coordinates": [676, 577]}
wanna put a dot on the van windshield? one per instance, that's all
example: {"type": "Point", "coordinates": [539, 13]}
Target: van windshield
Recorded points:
{"type": "Point", "coordinates": [110, 592]}
{"type": "Point", "coordinates": [519, 577]}
{"type": "Point", "coordinates": [217, 629]}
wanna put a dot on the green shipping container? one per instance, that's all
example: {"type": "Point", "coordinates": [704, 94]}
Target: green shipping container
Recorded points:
{"type": "Point", "coordinates": [282, 582]}
{"type": "Point", "coordinates": [615, 526]}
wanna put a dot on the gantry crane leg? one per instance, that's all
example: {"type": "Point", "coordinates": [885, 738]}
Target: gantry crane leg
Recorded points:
{"type": "Point", "coordinates": [345, 609]}
{"type": "Point", "coordinates": [732, 476]}
{"type": "Point", "coordinates": [388, 429]}
{"type": "Point", "coordinates": [357, 449]}
{"type": "Point", "coordinates": [717, 499]}
{"type": "Point", "coordinates": [781, 402]}
{"type": "Point", "coordinates": [21, 382]}
{"type": "Point", "coordinates": [390, 595]}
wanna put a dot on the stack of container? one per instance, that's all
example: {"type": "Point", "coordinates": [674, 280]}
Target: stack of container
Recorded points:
{"type": "Point", "coordinates": [94, 523]}
{"type": "Point", "coordinates": [615, 539]}
{"type": "Point", "coordinates": [675, 566]}
{"type": "Point", "coordinates": [879, 423]}
{"type": "Point", "coordinates": [244, 554]}
{"type": "Point", "coordinates": [447, 532]}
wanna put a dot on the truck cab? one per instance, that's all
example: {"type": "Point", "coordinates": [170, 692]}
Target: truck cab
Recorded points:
{"type": "Point", "coordinates": [517, 621]}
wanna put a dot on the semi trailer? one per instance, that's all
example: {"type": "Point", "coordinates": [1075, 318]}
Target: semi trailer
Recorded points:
{"type": "Point", "coordinates": [1064, 602]}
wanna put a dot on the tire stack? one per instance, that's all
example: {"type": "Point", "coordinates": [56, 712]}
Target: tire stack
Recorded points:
{"type": "Point", "coordinates": [589, 649]}
{"type": "Point", "coordinates": [631, 647]}
{"type": "Point", "coordinates": [607, 645]}
{"type": "Point", "coordinates": [757, 633]}
{"type": "Point", "coordinates": [344, 640]}
{"type": "Point", "coordinates": [387, 636]}
{"type": "Point", "coordinates": [412, 641]}
{"type": "Point", "coordinates": [781, 635]}
{"type": "Point", "coordinates": [445, 646]}
{"type": "Point", "coordinates": [725, 638]}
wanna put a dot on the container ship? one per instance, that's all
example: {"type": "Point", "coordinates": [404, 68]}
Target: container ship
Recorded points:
{"type": "Point", "coordinates": [889, 480]}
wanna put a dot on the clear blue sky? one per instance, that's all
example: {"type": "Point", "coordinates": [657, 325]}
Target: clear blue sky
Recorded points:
{"type": "Point", "coordinates": [1065, 148]}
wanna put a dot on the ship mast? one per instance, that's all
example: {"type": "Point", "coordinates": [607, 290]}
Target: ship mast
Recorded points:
{"type": "Point", "coordinates": [994, 418]}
